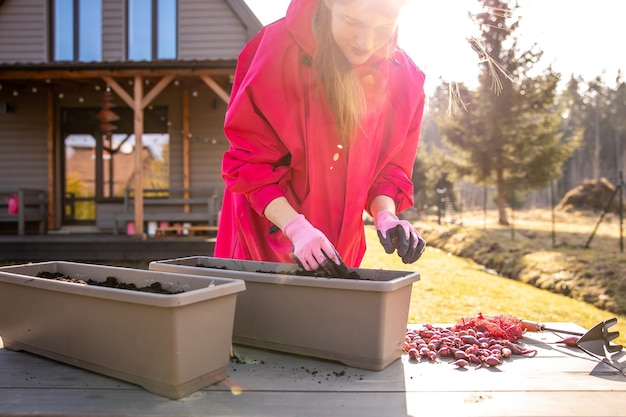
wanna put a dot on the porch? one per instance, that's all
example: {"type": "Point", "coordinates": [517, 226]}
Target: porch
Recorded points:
{"type": "Point", "coordinates": [101, 248]}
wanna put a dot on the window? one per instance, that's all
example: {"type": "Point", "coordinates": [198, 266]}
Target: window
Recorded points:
{"type": "Point", "coordinates": [77, 30]}
{"type": "Point", "coordinates": [151, 30]}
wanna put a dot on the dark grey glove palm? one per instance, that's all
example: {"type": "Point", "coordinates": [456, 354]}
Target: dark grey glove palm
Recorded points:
{"type": "Point", "coordinates": [408, 249]}
{"type": "Point", "coordinates": [399, 235]}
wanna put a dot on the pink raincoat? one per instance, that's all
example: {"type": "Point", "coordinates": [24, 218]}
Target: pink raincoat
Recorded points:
{"type": "Point", "coordinates": [282, 143]}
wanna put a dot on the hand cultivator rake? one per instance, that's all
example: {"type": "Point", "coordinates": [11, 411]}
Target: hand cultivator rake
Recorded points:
{"type": "Point", "coordinates": [595, 341]}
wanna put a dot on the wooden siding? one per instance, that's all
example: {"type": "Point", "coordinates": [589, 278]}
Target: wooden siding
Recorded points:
{"type": "Point", "coordinates": [23, 155]}
{"type": "Point", "coordinates": [113, 30]}
{"type": "Point", "coordinates": [172, 98]}
{"type": "Point", "coordinates": [23, 31]}
{"type": "Point", "coordinates": [209, 30]}
{"type": "Point", "coordinates": [208, 142]}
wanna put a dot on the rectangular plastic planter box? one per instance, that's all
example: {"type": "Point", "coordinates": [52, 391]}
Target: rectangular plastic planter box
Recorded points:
{"type": "Point", "coordinates": [361, 323]}
{"type": "Point", "coordinates": [170, 344]}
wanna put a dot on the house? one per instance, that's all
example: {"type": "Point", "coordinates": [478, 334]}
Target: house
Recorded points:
{"type": "Point", "coordinates": [162, 70]}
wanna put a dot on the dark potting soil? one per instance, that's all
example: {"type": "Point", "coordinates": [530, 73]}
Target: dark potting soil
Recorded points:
{"type": "Point", "coordinates": [301, 273]}
{"type": "Point", "coordinates": [110, 282]}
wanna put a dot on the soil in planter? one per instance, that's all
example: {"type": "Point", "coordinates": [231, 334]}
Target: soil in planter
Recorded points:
{"type": "Point", "coordinates": [110, 282]}
{"type": "Point", "coordinates": [301, 273]}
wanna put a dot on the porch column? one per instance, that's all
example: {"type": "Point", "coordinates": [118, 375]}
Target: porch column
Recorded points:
{"type": "Point", "coordinates": [186, 147]}
{"type": "Point", "coordinates": [138, 109]}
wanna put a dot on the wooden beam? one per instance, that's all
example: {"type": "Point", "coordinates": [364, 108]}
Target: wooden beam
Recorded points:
{"type": "Point", "coordinates": [82, 74]}
{"type": "Point", "coordinates": [51, 162]}
{"type": "Point", "coordinates": [138, 109]}
{"type": "Point", "coordinates": [156, 90]}
{"type": "Point", "coordinates": [217, 89]}
{"type": "Point", "coordinates": [130, 102]}
{"type": "Point", "coordinates": [186, 147]}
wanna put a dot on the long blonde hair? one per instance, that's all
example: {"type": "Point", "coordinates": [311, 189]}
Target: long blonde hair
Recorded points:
{"type": "Point", "coordinates": [343, 86]}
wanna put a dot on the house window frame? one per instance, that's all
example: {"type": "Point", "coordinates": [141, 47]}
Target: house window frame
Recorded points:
{"type": "Point", "coordinates": [76, 33]}
{"type": "Point", "coordinates": [155, 32]}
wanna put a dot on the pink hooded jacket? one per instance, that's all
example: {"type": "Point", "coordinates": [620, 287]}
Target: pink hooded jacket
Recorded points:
{"type": "Point", "coordinates": [282, 143]}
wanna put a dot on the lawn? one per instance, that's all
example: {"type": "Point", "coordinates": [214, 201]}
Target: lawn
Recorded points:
{"type": "Point", "coordinates": [452, 287]}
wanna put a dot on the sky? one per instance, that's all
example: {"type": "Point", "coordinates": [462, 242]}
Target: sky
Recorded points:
{"type": "Point", "coordinates": [579, 37]}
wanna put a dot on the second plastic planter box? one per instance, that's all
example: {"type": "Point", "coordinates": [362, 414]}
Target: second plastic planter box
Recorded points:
{"type": "Point", "coordinates": [171, 345]}
{"type": "Point", "coordinates": [361, 323]}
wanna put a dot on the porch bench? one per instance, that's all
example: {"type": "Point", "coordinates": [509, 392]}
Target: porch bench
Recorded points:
{"type": "Point", "coordinates": [171, 208]}
{"type": "Point", "coordinates": [32, 207]}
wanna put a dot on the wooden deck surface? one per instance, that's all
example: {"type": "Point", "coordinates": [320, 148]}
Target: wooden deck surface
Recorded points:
{"type": "Point", "coordinates": [558, 381]}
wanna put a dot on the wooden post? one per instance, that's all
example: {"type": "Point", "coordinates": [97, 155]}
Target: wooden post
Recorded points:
{"type": "Point", "coordinates": [186, 147]}
{"type": "Point", "coordinates": [138, 84]}
{"type": "Point", "coordinates": [51, 163]}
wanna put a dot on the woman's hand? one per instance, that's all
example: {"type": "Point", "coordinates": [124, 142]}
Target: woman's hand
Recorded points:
{"type": "Point", "coordinates": [311, 248]}
{"type": "Point", "coordinates": [400, 235]}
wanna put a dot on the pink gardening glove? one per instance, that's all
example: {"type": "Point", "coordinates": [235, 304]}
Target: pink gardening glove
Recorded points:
{"type": "Point", "coordinates": [400, 235]}
{"type": "Point", "coordinates": [311, 248]}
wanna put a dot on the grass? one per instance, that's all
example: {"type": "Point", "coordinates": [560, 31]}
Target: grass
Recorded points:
{"type": "Point", "coordinates": [452, 287]}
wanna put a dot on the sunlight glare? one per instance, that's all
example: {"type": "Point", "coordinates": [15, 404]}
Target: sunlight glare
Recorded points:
{"type": "Point", "coordinates": [435, 35]}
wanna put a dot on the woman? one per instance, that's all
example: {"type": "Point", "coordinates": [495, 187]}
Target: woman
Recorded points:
{"type": "Point", "coordinates": [323, 123]}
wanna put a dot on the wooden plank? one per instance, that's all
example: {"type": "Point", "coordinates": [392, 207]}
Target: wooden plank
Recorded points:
{"type": "Point", "coordinates": [516, 404]}
{"type": "Point", "coordinates": [51, 160]}
{"type": "Point", "coordinates": [138, 128]}
{"type": "Point", "coordinates": [137, 403]}
{"type": "Point", "coordinates": [156, 90]}
{"type": "Point", "coordinates": [182, 229]}
{"type": "Point", "coordinates": [170, 201]}
{"type": "Point", "coordinates": [119, 91]}
{"type": "Point", "coordinates": [44, 74]}
{"type": "Point", "coordinates": [186, 144]}
{"type": "Point", "coordinates": [165, 216]}
{"type": "Point", "coordinates": [81, 402]}
{"type": "Point", "coordinates": [217, 89]}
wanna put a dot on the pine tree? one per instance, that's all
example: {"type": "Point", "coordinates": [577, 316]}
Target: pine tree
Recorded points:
{"type": "Point", "coordinates": [508, 129]}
